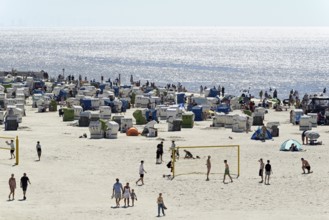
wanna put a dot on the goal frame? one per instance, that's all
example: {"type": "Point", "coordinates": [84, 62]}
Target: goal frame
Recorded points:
{"type": "Point", "coordinates": [16, 148]}
{"type": "Point", "coordinates": [213, 146]}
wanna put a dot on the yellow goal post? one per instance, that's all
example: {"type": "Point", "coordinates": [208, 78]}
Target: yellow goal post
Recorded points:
{"type": "Point", "coordinates": [16, 140]}
{"type": "Point", "coordinates": [174, 155]}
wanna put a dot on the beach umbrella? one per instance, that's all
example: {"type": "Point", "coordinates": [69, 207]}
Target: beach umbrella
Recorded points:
{"type": "Point", "coordinates": [313, 135]}
{"type": "Point", "coordinates": [285, 146]}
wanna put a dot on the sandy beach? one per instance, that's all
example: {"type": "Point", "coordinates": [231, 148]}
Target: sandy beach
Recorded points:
{"type": "Point", "coordinates": [75, 176]}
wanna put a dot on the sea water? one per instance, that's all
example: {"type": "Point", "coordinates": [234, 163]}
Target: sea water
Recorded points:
{"type": "Point", "coordinates": [237, 58]}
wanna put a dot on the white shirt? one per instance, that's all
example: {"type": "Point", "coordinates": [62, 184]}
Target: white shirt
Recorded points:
{"type": "Point", "coordinates": [141, 169]}
{"type": "Point", "coordinates": [12, 146]}
{"type": "Point", "coordinates": [173, 145]}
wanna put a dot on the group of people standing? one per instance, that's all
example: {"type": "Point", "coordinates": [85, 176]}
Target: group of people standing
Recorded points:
{"type": "Point", "coordinates": [268, 170]}
{"type": "Point", "coordinates": [13, 148]}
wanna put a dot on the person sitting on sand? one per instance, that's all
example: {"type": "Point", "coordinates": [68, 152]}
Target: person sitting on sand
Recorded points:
{"type": "Point", "coordinates": [167, 175]}
{"type": "Point", "coordinates": [306, 165]}
{"type": "Point", "coordinates": [188, 155]}
{"type": "Point", "coordinates": [293, 147]}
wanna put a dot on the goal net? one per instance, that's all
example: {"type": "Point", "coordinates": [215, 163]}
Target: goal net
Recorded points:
{"type": "Point", "coordinates": [193, 160]}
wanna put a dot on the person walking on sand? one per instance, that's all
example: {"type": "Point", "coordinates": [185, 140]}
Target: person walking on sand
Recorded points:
{"type": "Point", "coordinates": [268, 172]}
{"type": "Point", "coordinates": [306, 165]}
{"type": "Point", "coordinates": [161, 205]}
{"type": "Point", "coordinates": [38, 147]}
{"type": "Point", "coordinates": [12, 148]}
{"type": "Point", "coordinates": [24, 182]}
{"type": "Point", "coordinates": [227, 171]}
{"type": "Point", "coordinates": [261, 169]}
{"type": "Point", "coordinates": [160, 149]}
{"type": "Point", "coordinates": [12, 186]}
{"type": "Point", "coordinates": [208, 167]}
{"type": "Point", "coordinates": [141, 173]}
{"type": "Point", "coordinates": [126, 194]}
{"type": "Point", "coordinates": [117, 190]}
{"type": "Point", "coordinates": [133, 197]}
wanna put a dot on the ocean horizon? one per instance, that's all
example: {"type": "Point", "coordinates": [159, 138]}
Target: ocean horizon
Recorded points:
{"type": "Point", "coordinates": [237, 58]}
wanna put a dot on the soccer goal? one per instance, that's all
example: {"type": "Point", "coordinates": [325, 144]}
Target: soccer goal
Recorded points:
{"type": "Point", "coordinates": [193, 159]}
{"type": "Point", "coordinates": [16, 141]}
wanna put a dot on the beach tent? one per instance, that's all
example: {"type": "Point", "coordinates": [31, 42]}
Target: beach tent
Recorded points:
{"type": "Point", "coordinates": [258, 135]}
{"type": "Point", "coordinates": [285, 146]}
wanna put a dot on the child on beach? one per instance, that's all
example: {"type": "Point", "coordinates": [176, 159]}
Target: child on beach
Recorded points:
{"type": "Point", "coordinates": [133, 196]}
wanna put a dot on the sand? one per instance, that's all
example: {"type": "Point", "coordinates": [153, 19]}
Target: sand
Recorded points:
{"type": "Point", "coordinates": [75, 176]}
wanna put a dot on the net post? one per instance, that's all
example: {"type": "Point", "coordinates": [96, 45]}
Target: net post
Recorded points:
{"type": "Point", "coordinates": [238, 160]}
{"type": "Point", "coordinates": [17, 150]}
{"type": "Point", "coordinates": [173, 157]}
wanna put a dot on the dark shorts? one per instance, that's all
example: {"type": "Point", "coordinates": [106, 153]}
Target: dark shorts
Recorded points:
{"type": "Point", "coordinates": [24, 188]}
{"type": "Point", "coordinates": [141, 175]}
{"type": "Point", "coordinates": [261, 172]}
{"type": "Point", "coordinates": [12, 151]}
{"type": "Point", "coordinates": [308, 168]}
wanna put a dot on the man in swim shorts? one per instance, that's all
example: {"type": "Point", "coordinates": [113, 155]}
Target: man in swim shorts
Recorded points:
{"type": "Point", "coordinates": [141, 173]}
{"type": "Point", "coordinates": [117, 190]}
{"type": "Point", "coordinates": [24, 182]}
{"type": "Point", "coordinates": [227, 171]}
{"type": "Point", "coordinates": [306, 165]}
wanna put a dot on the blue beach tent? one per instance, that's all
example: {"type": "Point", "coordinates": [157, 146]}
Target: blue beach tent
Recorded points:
{"type": "Point", "coordinates": [259, 136]}
{"type": "Point", "coordinates": [285, 146]}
